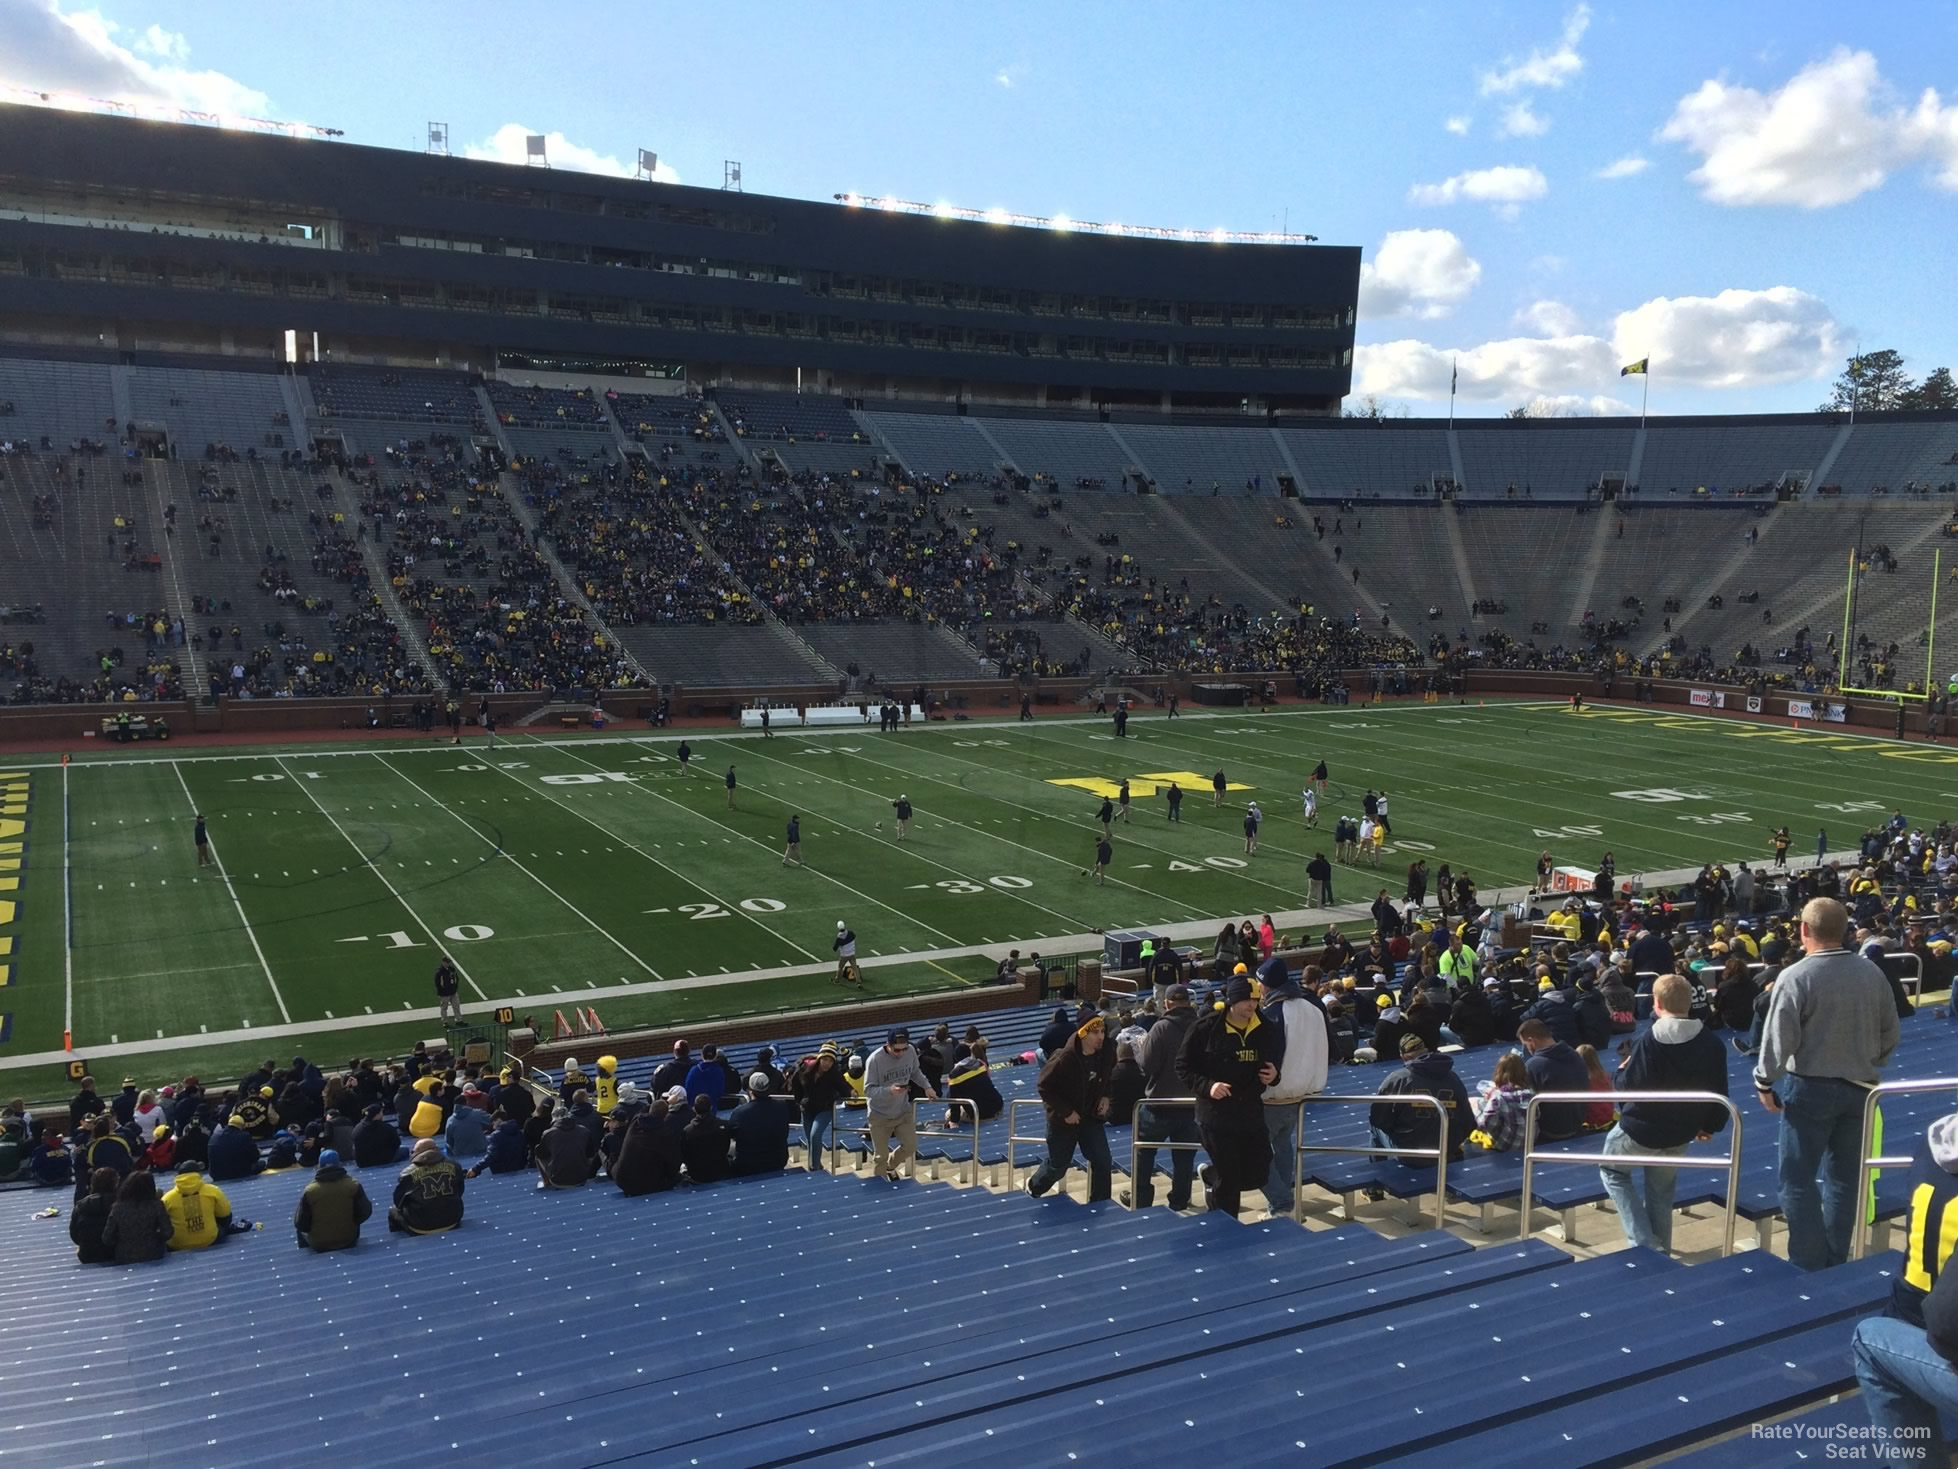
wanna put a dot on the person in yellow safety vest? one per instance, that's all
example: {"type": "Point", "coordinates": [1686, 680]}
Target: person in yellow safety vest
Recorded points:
{"type": "Point", "coordinates": [854, 1076]}
{"type": "Point", "coordinates": [429, 1115]}
{"type": "Point", "coordinates": [605, 1091]}
{"type": "Point", "coordinates": [198, 1212]}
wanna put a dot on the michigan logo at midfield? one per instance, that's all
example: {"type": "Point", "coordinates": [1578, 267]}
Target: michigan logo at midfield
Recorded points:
{"type": "Point", "coordinates": [1141, 786]}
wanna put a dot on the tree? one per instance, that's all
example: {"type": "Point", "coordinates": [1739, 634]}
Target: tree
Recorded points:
{"type": "Point", "coordinates": [1874, 382]}
{"type": "Point", "coordinates": [1375, 407]}
{"type": "Point", "coordinates": [1521, 410]}
{"type": "Point", "coordinates": [1937, 392]}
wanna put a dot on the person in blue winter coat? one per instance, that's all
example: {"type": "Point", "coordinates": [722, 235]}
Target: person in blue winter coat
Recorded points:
{"type": "Point", "coordinates": [467, 1134]}
{"type": "Point", "coordinates": [1554, 1011]}
{"type": "Point", "coordinates": [233, 1154]}
{"type": "Point", "coordinates": [507, 1150]}
{"type": "Point", "coordinates": [760, 1128]}
{"type": "Point", "coordinates": [709, 1077]}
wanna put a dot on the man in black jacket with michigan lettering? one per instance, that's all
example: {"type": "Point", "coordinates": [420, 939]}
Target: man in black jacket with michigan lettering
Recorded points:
{"type": "Point", "coordinates": [1227, 1060]}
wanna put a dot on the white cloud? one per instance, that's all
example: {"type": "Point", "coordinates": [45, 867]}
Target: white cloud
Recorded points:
{"type": "Point", "coordinates": [506, 145]}
{"type": "Point", "coordinates": [1518, 121]}
{"type": "Point", "coordinates": [1548, 319]}
{"type": "Point", "coordinates": [1424, 273]}
{"type": "Point", "coordinates": [1575, 405]}
{"type": "Point", "coordinates": [1542, 68]}
{"type": "Point", "coordinates": [1506, 185]}
{"type": "Point", "coordinates": [1831, 133]}
{"type": "Point", "coordinates": [1503, 371]}
{"type": "Point", "coordinates": [1737, 339]}
{"type": "Point", "coordinates": [46, 49]}
{"type": "Point", "coordinates": [1624, 168]}
{"type": "Point", "coordinates": [1459, 126]}
{"type": "Point", "coordinates": [170, 45]}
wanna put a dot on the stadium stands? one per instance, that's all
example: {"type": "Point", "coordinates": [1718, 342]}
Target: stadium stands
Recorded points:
{"type": "Point", "coordinates": [394, 395]}
{"type": "Point", "coordinates": [1039, 556]}
{"type": "Point", "coordinates": [209, 412]}
{"type": "Point", "coordinates": [62, 402]}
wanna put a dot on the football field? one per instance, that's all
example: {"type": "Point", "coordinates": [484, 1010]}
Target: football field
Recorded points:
{"type": "Point", "coordinates": [597, 869]}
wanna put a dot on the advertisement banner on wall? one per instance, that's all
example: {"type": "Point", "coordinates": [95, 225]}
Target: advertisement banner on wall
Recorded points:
{"type": "Point", "coordinates": [1836, 713]}
{"type": "Point", "coordinates": [1720, 698]}
{"type": "Point", "coordinates": [1701, 698]}
{"type": "Point", "coordinates": [1753, 703]}
{"type": "Point", "coordinates": [1800, 709]}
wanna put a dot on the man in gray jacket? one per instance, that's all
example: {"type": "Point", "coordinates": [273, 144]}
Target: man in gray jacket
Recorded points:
{"type": "Point", "coordinates": [888, 1077]}
{"type": "Point", "coordinates": [1157, 1057]}
{"type": "Point", "coordinates": [1830, 1028]}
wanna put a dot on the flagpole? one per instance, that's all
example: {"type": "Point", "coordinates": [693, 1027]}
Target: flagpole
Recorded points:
{"type": "Point", "coordinates": [1451, 394]}
{"type": "Point", "coordinates": [1645, 391]}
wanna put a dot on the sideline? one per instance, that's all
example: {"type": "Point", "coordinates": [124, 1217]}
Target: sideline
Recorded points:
{"type": "Point", "coordinates": [1201, 931]}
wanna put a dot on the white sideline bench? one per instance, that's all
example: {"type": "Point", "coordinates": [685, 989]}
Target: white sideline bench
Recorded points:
{"type": "Point", "coordinates": [822, 714]}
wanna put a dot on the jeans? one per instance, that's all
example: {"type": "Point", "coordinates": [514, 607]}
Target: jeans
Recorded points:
{"type": "Point", "coordinates": [1062, 1139]}
{"type": "Point", "coordinates": [1282, 1127]}
{"type": "Point", "coordinates": [1906, 1384]}
{"type": "Point", "coordinates": [817, 1130]}
{"type": "Point", "coordinates": [1646, 1212]}
{"type": "Point", "coordinates": [1821, 1131]}
{"type": "Point", "coordinates": [1169, 1125]}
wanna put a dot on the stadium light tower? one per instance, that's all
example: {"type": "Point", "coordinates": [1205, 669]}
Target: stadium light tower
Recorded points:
{"type": "Point", "coordinates": [533, 151]}
{"type": "Point", "coordinates": [438, 139]}
{"type": "Point", "coordinates": [731, 175]}
{"type": "Point", "coordinates": [648, 165]}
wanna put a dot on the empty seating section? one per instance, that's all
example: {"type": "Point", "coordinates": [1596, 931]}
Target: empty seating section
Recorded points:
{"type": "Point", "coordinates": [1729, 459]}
{"type": "Point", "coordinates": [524, 405]}
{"type": "Point", "coordinates": [1195, 461]}
{"type": "Point", "coordinates": [782, 417]}
{"type": "Point", "coordinates": [576, 451]}
{"type": "Point", "coordinates": [1365, 457]}
{"type": "Point", "coordinates": [1529, 559]}
{"type": "Point", "coordinates": [936, 445]}
{"type": "Point", "coordinates": [804, 431]}
{"type": "Point", "coordinates": [396, 395]}
{"type": "Point", "coordinates": [59, 401]}
{"type": "Point", "coordinates": [83, 546]}
{"type": "Point", "coordinates": [1894, 457]}
{"type": "Point", "coordinates": [280, 590]}
{"type": "Point", "coordinates": [1544, 458]}
{"type": "Point", "coordinates": [1069, 454]}
{"type": "Point", "coordinates": [725, 657]}
{"type": "Point", "coordinates": [207, 409]}
{"type": "Point", "coordinates": [892, 653]}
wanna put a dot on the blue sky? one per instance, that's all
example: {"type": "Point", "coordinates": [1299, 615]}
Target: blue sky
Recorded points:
{"type": "Point", "coordinates": [1786, 180]}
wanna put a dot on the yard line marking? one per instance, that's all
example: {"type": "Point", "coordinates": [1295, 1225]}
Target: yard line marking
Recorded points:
{"type": "Point", "coordinates": [632, 847]}
{"type": "Point", "coordinates": [223, 873]}
{"type": "Point", "coordinates": [596, 927]}
{"type": "Point", "coordinates": [386, 881]}
{"type": "Point", "coordinates": [67, 917]}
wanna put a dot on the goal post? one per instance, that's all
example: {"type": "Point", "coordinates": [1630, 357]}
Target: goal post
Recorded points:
{"type": "Point", "coordinates": [1850, 622]}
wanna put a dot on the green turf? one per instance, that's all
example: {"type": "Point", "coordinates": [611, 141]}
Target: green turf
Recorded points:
{"type": "Point", "coordinates": [550, 867]}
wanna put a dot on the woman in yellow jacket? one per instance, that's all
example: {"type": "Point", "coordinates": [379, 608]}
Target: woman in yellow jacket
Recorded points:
{"type": "Point", "coordinates": [199, 1212]}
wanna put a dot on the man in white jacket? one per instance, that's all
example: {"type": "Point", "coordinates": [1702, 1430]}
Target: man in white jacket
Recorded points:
{"type": "Point", "coordinates": [1301, 1073]}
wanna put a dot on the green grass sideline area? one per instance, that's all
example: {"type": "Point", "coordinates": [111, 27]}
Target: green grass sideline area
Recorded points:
{"type": "Point", "coordinates": [599, 866]}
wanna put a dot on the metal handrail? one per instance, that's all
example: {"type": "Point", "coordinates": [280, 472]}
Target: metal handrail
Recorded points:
{"type": "Point", "coordinates": [1013, 1131]}
{"type": "Point", "coordinates": [1914, 981]}
{"type": "Point", "coordinates": [1166, 1144]}
{"type": "Point", "coordinates": [1859, 1241]}
{"type": "Point", "coordinates": [1410, 1099]}
{"type": "Point", "coordinates": [918, 1131]}
{"type": "Point", "coordinates": [1527, 1205]}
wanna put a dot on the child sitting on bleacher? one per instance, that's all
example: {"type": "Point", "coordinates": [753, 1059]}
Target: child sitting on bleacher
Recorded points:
{"type": "Point", "coordinates": [1501, 1104]}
